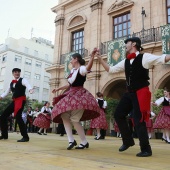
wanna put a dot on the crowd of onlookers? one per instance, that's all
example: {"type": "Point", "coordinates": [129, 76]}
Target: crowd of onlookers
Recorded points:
{"type": "Point", "coordinates": [28, 116]}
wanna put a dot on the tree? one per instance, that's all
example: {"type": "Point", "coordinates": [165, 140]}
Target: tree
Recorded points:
{"type": "Point", "coordinates": [111, 106]}
{"type": "Point", "coordinates": [37, 104]}
{"type": "Point", "coordinates": [5, 102]}
{"type": "Point", "coordinates": [158, 93]}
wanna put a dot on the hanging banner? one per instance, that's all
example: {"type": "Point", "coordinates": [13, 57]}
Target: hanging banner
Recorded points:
{"type": "Point", "coordinates": [165, 30]}
{"type": "Point", "coordinates": [116, 51]}
{"type": "Point", "coordinates": [67, 64]}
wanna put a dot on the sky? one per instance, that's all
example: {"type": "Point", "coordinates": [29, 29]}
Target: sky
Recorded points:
{"type": "Point", "coordinates": [19, 17]}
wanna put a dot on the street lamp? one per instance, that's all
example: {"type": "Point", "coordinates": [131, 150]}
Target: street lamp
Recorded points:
{"type": "Point", "coordinates": [143, 16]}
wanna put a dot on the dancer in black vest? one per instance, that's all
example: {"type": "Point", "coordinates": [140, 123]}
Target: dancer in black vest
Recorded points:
{"type": "Point", "coordinates": [138, 96]}
{"type": "Point", "coordinates": [18, 87]}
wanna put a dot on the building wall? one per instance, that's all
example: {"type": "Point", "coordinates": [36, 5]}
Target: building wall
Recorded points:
{"type": "Point", "coordinates": [13, 48]}
{"type": "Point", "coordinates": [98, 27]}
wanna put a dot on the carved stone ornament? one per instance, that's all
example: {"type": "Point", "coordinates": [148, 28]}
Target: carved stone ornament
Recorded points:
{"type": "Point", "coordinates": [120, 4]}
{"type": "Point", "coordinates": [76, 20]}
{"type": "Point", "coordinates": [59, 20]}
{"type": "Point", "coordinates": [96, 4]}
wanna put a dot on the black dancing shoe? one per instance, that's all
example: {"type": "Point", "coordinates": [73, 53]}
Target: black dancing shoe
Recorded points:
{"type": "Point", "coordinates": [163, 139]}
{"type": "Point", "coordinates": [81, 146]}
{"type": "Point", "coordinates": [1, 137]}
{"type": "Point", "coordinates": [144, 154]}
{"type": "Point", "coordinates": [125, 147]}
{"type": "Point", "coordinates": [23, 140]}
{"type": "Point", "coordinates": [71, 145]}
{"type": "Point", "coordinates": [39, 133]}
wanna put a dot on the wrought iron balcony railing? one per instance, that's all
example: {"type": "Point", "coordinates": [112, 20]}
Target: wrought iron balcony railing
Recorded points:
{"type": "Point", "coordinates": [83, 52]}
{"type": "Point", "coordinates": [146, 36]}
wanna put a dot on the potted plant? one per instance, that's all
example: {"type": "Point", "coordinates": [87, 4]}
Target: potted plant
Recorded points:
{"type": "Point", "coordinates": [156, 109]}
{"type": "Point", "coordinates": [111, 106]}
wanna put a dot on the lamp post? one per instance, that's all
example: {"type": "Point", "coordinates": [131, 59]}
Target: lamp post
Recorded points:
{"type": "Point", "coordinates": [143, 16]}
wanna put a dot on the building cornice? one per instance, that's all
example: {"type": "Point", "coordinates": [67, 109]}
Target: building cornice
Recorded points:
{"type": "Point", "coordinates": [62, 5]}
{"type": "Point", "coordinates": [96, 4]}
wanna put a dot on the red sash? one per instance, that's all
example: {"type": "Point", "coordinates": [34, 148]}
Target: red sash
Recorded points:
{"type": "Point", "coordinates": [144, 99]}
{"type": "Point", "coordinates": [18, 104]}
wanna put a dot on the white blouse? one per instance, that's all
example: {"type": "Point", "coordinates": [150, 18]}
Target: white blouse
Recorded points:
{"type": "Point", "coordinates": [47, 109]}
{"type": "Point", "coordinates": [160, 100]}
{"type": "Point", "coordinates": [82, 70]}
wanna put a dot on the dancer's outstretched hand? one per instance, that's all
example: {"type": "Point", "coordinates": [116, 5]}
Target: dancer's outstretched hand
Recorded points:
{"type": "Point", "coordinates": [54, 90]}
{"type": "Point", "coordinates": [93, 52]}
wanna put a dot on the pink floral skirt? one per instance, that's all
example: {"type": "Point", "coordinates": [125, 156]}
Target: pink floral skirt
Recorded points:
{"type": "Point", "coordinates": [42, 121]}
{"type": "Point", "coordinates": [74, 99]}
{"type": "Point", "coordinates": [162, 121]}
{"type": "Point", "coordinates": [99, 122]}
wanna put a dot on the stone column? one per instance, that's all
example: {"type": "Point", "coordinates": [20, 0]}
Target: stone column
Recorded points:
{"type": "Point", "coordinates": [96, 15]}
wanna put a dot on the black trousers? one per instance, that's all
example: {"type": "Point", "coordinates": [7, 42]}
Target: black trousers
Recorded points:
{"type": "Point", "coordinates": [4, 121]}
{"type": "Point", "coordinates": [128, 103]}
{"type": "Point", "coordinates": [60, 129]}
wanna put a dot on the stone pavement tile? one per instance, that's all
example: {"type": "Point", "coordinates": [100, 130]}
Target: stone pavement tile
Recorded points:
{"type": "Point", "coordinates": [49, 153]}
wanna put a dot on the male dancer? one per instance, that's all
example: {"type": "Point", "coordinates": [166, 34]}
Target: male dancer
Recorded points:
{"type": "Point", "coordinates": [18, 87]}
{"type": "Point", "coordinates": [136, 67]}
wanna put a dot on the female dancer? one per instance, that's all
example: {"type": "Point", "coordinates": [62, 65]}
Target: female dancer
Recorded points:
{"type": "Point", "coordinates": [100, 122]}
{"type": "Point", "coordinates": [149, 124]}
{"type": "Point", "coordinates": [162, 121]}
{"type": "Point", "coordinates": [44, 118]}
{"type": "Point", "coordinates": [77, 103]}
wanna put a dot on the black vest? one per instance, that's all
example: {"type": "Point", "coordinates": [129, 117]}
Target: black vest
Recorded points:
{"type": "Point", "coordinates": [136, 75]}
{"type": "Point", "coordinates": [165, 102]}
{"type": "Point", "coordinates": [79, 81]}
{"type": "Point", "coordinates": [19, 89]}
{"type": "Point", "coordinates": [100, 102]}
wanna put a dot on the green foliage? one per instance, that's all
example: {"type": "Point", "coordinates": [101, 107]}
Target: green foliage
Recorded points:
{"type": "Point", "coordinates": [5, 102]}
{"type": "Point", "coordinates": [37, 104]}
{"type": "Point", "coordinates": [158, 93]}
{"type": "Point", "coordinates": [111, 106]}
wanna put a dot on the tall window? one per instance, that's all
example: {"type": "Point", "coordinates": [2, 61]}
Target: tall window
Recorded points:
{"type": "Point", "coordinates": [18, 59]}
{"type": "Point", "coordinates": [78, 41]}
{"type": "Point", "coordinates": [27, 74]}
{"type": "Point", "coordinates": [4, 58]}
{"type": "Point", "coordinates": [121, 26]}
{"type": "Point", "coordinates": [37, 76]}
{"type": "Point", "coordinates": [28, 61]}
{"type": "Point", "coordinates": [38, 64]}
{"type": "Point", "coordinates": [2, 71]}
{"type": "Point", "coordinates": [168, 11]}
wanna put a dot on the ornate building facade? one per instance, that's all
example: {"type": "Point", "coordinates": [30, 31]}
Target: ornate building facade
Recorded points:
{"type": "Point", "coordinates": [82, 25]}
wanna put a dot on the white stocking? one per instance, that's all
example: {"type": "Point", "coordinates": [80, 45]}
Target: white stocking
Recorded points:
{"type": "Point", "coordinates": [40, 130]}
{"type": "Point", "coordinates": [167, 135]}
{"type": "Point", "coordinates": [98, 132]}
{"type": "Point", "coordinates": [45, 130]}
{"type": "Point", "coordinates": [164, 135]}
{"type": "Point", "coordinates": [149, 135]}
{"type": "Point", "coordinates": [80, 132]}
{"type": "Point", "coordinates": [68, 128]}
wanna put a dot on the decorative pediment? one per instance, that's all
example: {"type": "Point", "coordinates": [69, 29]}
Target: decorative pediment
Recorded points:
{"type": "Point", "coordinates": [120, 5]}
{"type": "Point", "coordinates": [76, 20]}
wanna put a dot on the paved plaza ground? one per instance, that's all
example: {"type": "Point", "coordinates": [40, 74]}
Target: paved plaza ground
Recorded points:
{"type": "Point", "coordinates": [49, 153]}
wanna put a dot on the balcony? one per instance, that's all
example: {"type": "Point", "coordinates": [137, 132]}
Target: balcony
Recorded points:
{"type": "Point", "coordinates": [84, 53]}
{"type": "Point", "coordinates": [146, 36]}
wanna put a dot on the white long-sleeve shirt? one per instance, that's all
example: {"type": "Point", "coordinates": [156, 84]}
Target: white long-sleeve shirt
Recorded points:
{"type": "Point", "coordinates": [159, 101]}
{"type": "Point", "coordinates": [24, 83]}
{"type": "Point", "coordinates": [148, 61]}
